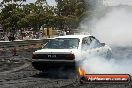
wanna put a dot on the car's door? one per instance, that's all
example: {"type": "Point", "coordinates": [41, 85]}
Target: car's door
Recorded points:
{"type": "Point", "coordinates": [93, 47]}
{"type": "Point", "coordinates": [101, 49]}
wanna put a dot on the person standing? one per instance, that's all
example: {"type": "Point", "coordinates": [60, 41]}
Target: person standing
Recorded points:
{"type": "Point", "coordinates": [11, 37]}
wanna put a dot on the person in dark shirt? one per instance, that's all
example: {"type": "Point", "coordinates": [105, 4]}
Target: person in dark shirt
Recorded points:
{"type": "Point", "coordinates": [11, 37]}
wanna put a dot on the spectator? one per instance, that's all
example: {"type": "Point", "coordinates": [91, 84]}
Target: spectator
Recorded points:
{"type": "Point", "coordinates": [11, 37]}
{"type": "Point", "coordinates": [6, 37]}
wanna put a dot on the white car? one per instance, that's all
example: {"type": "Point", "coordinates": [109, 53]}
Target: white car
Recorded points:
{"type": "Point", "coordinates": [62, 52]}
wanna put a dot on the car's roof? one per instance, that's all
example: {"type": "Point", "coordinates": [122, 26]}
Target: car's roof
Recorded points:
{"type": "Point", "coordinates": [74, 36]}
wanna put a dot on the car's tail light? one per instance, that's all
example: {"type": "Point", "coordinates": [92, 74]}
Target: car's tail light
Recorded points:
{"type": "Point", "coordinates": [34, 56]}
{"type": "Point", "coordinates": [71, 56]}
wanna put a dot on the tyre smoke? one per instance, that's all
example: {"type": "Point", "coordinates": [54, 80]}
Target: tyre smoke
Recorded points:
{"type": "Point", "coordinates": [113, 26]}
{"type": "Point", "coordinates": [99, 65]}
{"type": "Point", "coordinates": [120, 63]}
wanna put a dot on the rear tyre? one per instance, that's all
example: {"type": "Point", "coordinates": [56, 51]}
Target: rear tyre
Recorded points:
{"type": "Point", "coordinates": [81, 81]}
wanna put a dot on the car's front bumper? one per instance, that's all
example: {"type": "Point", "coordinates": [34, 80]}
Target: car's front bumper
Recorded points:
{"type": "Point", "coordinates": [43, 64]}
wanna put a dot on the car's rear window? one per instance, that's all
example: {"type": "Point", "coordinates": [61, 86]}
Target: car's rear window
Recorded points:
{"type": "Point", "coordinates": [62, 43]}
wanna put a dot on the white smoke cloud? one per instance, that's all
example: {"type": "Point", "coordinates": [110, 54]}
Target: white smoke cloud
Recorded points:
{"type": "Point", "coordinates": [117, 2]}
{"type": "Point", "coordinates": [94, 64]}
{"type": "Point", "coordinates": [98, 65]}
{"type": "Point", "coordinates": [114, 27]}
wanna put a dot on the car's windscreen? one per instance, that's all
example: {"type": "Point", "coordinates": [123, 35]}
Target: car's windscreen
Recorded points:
{"type": "Point", "coordinates": [62, 43]}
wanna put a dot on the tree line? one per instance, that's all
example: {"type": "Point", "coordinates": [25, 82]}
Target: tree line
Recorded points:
{"type": "Point", "coordinates": [16, 14]}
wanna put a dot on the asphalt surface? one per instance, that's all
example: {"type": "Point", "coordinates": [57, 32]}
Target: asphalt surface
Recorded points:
{"type": "Point", "coordinates": [17, 72]}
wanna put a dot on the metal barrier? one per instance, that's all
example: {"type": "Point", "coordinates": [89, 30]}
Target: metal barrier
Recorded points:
{"type": "Point", "coordinates": [35, 43]}
{"type": "Point", "coordinates": [8, 48]}
{"type": "Point", "coordinates": [20, 44]}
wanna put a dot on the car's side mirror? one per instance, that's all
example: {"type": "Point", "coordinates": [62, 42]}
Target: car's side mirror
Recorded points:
{"type": "Point", "coordinates": [103, 44]}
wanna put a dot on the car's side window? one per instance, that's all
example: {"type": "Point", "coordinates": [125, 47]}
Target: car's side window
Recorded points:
{"type": "Point", "coordinates": [85, 43]}
{"type": "Point", "coordinates": [94, 43]}
{"type": "Point", "coordinates": [90, 42]}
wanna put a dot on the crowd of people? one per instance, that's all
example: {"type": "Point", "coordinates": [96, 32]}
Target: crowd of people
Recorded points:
{"type": "Point", "coordinates": [27, 35]}
{"type": "Point", "coordinates": [21, 36]}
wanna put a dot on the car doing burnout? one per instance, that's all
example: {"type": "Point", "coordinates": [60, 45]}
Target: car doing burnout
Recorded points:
{"type": "Point", "coordinates": [62, 52]}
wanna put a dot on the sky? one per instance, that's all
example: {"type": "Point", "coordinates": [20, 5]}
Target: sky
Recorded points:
{"type": "Point", "coordinates": [50, 2]}
{"type": "Point", "coordinates": [117, 2]}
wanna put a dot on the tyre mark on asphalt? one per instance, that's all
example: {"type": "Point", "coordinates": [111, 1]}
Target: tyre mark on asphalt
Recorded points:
{"type": "Point", "coordinates": [20, 73]}
{"type": "Point", "coordinates": [15, 69]}
{"type": "Point", "coordinates": [51, 84]}
{"type": "Point", "coordinates": [23, 82]}
{"type": "Point", "coordinates": [32, 82]}
{"type": "Point", "coordinates": [24, 77]}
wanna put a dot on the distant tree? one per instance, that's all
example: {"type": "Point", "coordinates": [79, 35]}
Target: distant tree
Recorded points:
{"type": "Point", "coordinates": [10, 14]}
{"type": "Point", "coordinates": [17, 15]}
{"type": "Point", "coordinates": [70, 12]}
{"type": "Point", "coordinates": [46, 14]}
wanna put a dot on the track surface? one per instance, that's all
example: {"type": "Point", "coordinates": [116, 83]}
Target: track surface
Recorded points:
{"type": "Point", "coordinates": [25, 76]}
